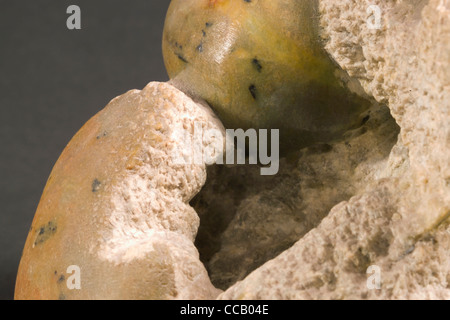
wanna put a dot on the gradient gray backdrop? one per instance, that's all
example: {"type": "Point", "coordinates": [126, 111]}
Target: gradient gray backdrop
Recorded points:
{"type": "Point", "coordinates": [52, 80]}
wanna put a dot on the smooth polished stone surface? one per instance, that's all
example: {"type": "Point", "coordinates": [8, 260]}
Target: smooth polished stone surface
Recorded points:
{"type": "Point", "coordinates": [260, 64]}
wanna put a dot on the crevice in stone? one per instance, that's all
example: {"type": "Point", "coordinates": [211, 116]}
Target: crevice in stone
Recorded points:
{"type": "Point", "coordinates": [248, 219]}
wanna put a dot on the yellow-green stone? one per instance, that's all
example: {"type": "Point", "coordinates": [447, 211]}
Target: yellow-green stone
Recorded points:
{"type": "Point", "coordinates": [260, 64]}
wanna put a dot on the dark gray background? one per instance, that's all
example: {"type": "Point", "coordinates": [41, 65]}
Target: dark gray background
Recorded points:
{"type": "Point", "coordinates": [52, 80]}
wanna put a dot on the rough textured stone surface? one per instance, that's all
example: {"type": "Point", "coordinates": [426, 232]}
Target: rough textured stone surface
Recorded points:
{"type": "Point", "coordinates": [116, 205]}
{"type": "Point", "coordinates": [378, 196]}
{"type": "Point", "coordinates": [406, 65]}
{"type": "Point", "coordinates": [398, 217]}
{"type": "Point", "coordinates": [331, 261]}
{"type": "Point", "coordinates": [248, 219]}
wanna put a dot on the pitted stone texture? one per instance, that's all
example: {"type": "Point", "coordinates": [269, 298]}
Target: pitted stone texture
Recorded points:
{"type": "Point", "coordinates": [118, 205]}
{"type": "Point", "coordinates": [399, 220]}
{"type": "Point", "coordinates": [405, 64]}
{"type": "Point", "coordinates": [248, 219]}
{"type": "Point", "coordinates": [331, 261]}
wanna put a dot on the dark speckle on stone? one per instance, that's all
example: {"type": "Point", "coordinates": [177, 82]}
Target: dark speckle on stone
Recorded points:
{"type": "Point", "coordinates": [45, 232]}
{"type": "Point", "coordinates": [200, 47]}
{"type": "Point", "coordinates": [62, 297]}
{"type": "Point", "coordinates": [257, 64]}
{"type": "Point", "coordinates": [96, 185]}
{"type": "Point", "coordinates": [252, 90]}
{"type": "Point", "coordinates": [208, 24]}
{"type": "Point", "coordinates": [104, 134]}
{"type": "Point", "coordinates": [365, 119]}
{"type": "Point", "coordinates": [61, 278]}
{"type": "Point", "coordinates": [182, 58]}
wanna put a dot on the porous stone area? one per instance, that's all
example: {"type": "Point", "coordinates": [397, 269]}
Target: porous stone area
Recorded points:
{"type": "Point", "coordinates": [394, 214]}
{"type": "Point", "coordinates": [365, 215]}
{"type": "Point", "coordinates": [248, 219]}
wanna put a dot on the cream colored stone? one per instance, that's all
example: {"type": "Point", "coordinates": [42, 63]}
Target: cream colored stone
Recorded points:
{"type": "Point", "coordinates": [399, 220]}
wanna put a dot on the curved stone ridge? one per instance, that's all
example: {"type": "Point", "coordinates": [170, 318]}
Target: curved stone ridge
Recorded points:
{"type": "Point", "coordinates": [116, 206]}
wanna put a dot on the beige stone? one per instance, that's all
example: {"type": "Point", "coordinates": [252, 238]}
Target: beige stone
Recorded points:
{"type": "Point", "coordinates": [379, 196]}
{"type": "Point", "coordinates": [399, 220]}
{"type": "Point", "coordinates": [116, 206]}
